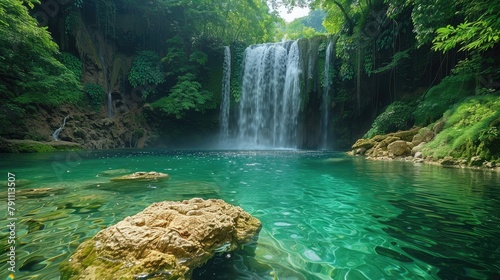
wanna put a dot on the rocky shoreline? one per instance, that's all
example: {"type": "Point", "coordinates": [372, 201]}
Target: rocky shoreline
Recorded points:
{"type": "Point", "coordinates": [407, 145]}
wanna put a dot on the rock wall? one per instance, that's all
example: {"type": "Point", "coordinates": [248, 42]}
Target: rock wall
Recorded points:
{"type": "Point", "coordinates": [91, 129]}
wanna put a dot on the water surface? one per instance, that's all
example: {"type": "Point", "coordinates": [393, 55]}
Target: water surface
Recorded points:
{"type": "Point", "coordinates": [324, 215]}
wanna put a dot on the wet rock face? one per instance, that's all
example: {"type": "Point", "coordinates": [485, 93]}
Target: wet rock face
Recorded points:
{"type": "Point", "coordinates": [167, 240]}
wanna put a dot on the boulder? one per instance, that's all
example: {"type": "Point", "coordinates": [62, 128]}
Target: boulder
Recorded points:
{"type": "Point", "coordinates": [406, 135]}
{"type": "Point", "coordinates": [448, 160]}
{"type": "Point", "coordinates": [142, 176]}
{"type": "Point", "coordinates": [399, 148]}
{"type": "Point", "coordinates": [424, 135]}
{"type": "Point", "coordinates": [438, 127]}
{"type": "Point", "coordinates": [417, 148]}
{"type": "Point", "coordinates": [167, 240]}
{"type": "Point", "coordinates": [385, 142]}
{"type": "Point", "coordinates": [476, 161]}
{"type": "Point", "coordinates": [363, 144]}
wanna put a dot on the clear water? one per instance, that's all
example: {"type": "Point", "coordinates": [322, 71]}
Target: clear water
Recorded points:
{"type": "Point", "coordinates": [324, 215]}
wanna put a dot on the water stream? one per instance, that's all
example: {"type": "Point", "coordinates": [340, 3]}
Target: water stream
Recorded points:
{"type": "Point", "coordinates": [324, 215]}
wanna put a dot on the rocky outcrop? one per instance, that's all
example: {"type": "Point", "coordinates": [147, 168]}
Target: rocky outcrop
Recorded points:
{"type": "Point", "coordinates": [391, 145]}
{"type": "Point", "coordinates": [93, 130]}
{"type": "Point", "coordinates": [408, 146]}
{"type": "Point", "coordinates": [142, 176]}
{"type": "Point", "coordinates": [167, 240]}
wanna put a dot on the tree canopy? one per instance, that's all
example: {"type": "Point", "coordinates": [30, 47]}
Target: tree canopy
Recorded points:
{"type": "Point", "coordinates": [31, 73]}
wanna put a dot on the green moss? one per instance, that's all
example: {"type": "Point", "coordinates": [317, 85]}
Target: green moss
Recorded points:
{"type": "Point", "coordinates": [25, 147]}
{"type": "Point", "coordinates": [441, 97]}
{"type": "Point", "coordinates": [470, 130]}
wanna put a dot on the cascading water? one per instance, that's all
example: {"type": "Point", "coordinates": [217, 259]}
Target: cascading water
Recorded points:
{"type": "Point", "coordinates": [106, 80]}
{"type": "Point", "coordinates": [226, 90]}
{"type": "Point", "coordinates": [270, 96]}
{"type": "Point", "coordinates": [326, 98]}
{"type": "Point", "coordinates": [110, 105]}
{"type": "Point", "coordinates": [56, 133]}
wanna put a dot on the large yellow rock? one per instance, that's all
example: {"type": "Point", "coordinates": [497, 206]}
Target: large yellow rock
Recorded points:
{"type": "Point", "coordinates": [167, 240]}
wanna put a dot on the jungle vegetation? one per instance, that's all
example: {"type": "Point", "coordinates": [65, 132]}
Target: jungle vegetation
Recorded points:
{"type": "Point", "coordinates": [427, 59]}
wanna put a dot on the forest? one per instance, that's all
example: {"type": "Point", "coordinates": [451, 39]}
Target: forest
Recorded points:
{"type": "Point", "coordinates": [127, 73]}
{"type": "Point", "coordinates": [222, 139]}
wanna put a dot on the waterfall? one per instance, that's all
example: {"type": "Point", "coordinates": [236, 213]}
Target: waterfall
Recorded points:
{"type": "Point", "coordinates": [326, 98]}
{"type": "Point", "coordinates": [106, 81]}
{"type": "Point", "coordinates": [55, 135]}
{"type": "Point", "coordinates": [226, 90]}
{"type": "Point", "coordinates": [110, 105]}
{"type": "Point", "coordinates": [270, 96]}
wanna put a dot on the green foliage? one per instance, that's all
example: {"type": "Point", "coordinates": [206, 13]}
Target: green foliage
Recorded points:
{"type": "Point", "coordinates": [72, 63]}
{"type": "Point", "coordinates": [305, 27]}
{"type": "Point", "coordinates": [397, 58]}
{"type": "Point", "coordinates": [471, 129]}
{"type": "Point", "coordinates": [480, 35]}
{"type": "Point", "coordinates": [442, 96]}
{"type": "Point", "coordinates": [479, 30]}
{"type": "Point", "coordinates": [397, 116]}
{"type": "Point", "coordinates": [428, 15]}
{"type": "Point", "coordinates": [199, 57]}
{"type": "Point", "coordinates": [346, 52]}
{"type": "Point", "coordinates": [146, 71]}
{"type": "Point", "coordinates": [96, 94]}
{"type": "Point", "coordinates": [31, 74]}
{"type": "Point", "coordinates": [186, 95]}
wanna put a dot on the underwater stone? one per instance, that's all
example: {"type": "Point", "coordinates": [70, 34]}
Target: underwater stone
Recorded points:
{"type": "Point", "coordinates": [163, 240]}
{"type": "Point", "coordinates": [152, 175]}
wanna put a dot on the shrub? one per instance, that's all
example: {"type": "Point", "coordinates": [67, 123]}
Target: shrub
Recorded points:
{"type": "Point", "coordinates": [397, 116]}
{"type": "Point", "coordinates": [96, 95]}
{"type": "Point", "coordinates": [146, 71]}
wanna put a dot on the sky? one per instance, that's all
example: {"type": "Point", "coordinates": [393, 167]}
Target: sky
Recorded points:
{"type": "Point", "coordinates": [295, 13]}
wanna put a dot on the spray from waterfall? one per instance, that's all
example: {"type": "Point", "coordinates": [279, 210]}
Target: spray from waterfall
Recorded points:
{"type": "Point", "coordinates": [270, 97]}
{"type": "Point", "coordinates": [56, 133]}
{"type": "Point", "coordinates": [326, 98]}
{"type": "Point", "coordinates": [226, 90]}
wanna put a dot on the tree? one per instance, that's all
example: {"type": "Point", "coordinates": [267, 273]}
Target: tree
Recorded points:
{"type": "Point", "coordinates": [480, 30]}
{"type": "Point", "coordinates": [31, 74]}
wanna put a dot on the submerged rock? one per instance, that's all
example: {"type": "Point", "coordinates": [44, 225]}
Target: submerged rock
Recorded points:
{"type": "Point", "coordinates": [152, 175]}
{"type": "Point", "coordinates": [39, 192]}
{"type": "Point", "coordinates": [113, 172]}
{"type": "Point", "coordinates": [167, 240]}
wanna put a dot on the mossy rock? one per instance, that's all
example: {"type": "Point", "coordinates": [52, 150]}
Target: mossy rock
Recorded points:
{"type": "Point", "coordinates": [406, 135]}
{"type": "Point", "coordinates": [30, 146]}
{"type": "Point", "coordinates": [364, 144]}
{"type": "Point", "coordinates": [388, 140]}
{"type": "Point", "coordinates": [423, 135]}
